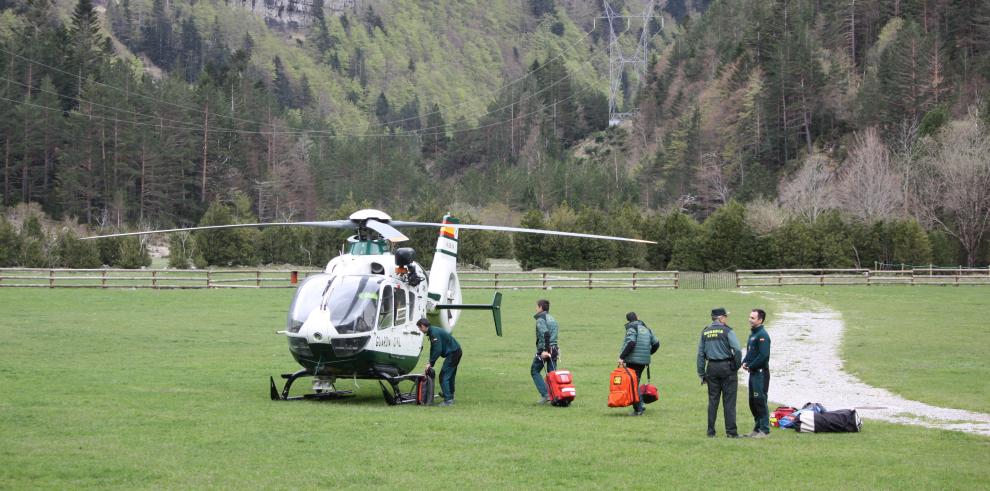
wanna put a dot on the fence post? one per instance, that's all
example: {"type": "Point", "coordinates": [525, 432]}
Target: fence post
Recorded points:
{"type": "Point", "coordinates": [867, 278]}
{"type": "Point", "coordinates": [257, 278]}
{"type": "Point", "coordinates": [154, 279]}
{"type": "Point", "coordinates": [677, 280]}
{"type": "Point", "coordinates": [496, 281]}
{"type": "Point", "coordinates": [737, 279]}
{"type": "Point", "coordinates": [544, 281]}
{"type": "Point", "coordinates": [780, 278]}
{"type": "Point", "coordinates": [634, 280]}
{"type": "Point", "coordinates": [208, 279]}
{"type": "Point", "coordinates": [103, 278]}
{"type": "Point", "coordinates": [589, 280]}
{"type": "Point", "coordinates": [51, 278]}
{"type": "Point", "coordinates": [821, 279]}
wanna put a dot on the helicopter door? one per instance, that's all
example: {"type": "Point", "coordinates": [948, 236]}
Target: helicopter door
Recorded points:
{"type": "Point", "coordinates": [400, 312]}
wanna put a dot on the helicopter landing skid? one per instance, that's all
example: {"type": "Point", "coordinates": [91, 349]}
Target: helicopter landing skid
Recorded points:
{"type": "Point", "coordinates": [291, 377]}
{"type": "Point", "coordinates": [397, 397]}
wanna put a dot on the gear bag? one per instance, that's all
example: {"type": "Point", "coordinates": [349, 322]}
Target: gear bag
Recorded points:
{"type": "Point", "coordinates": [648, 392]}
{"type": "Point", "coordinates": [622, 388]}
{"type": "Point", "coordinates": [425, 387]}
{"type": "Point", "coordinates": [560, 387]}
{"type": "Point", "coordinates": [839, 421]}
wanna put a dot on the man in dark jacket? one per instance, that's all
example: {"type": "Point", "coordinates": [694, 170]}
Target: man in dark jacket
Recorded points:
{"type": "Point", "coordinates": [546, 348]}
{"type": "Point", "coordinates": [757, 363]}
{"type": "Point", "coordinates": [442, 344]}
{"type": "Point", "coordinates": [637, 347]}
{"type": "Point", "coordinates": [719, 356]}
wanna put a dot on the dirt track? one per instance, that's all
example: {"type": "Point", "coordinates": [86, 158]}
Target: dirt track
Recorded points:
{"type": "Point", "coordinates": [805, 367]}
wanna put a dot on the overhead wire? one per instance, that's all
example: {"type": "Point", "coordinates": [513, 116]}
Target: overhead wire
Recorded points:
{"type": "Point", "coordinates": [259, 123]}
{"type": "Point", "coordinates": [309, 133]}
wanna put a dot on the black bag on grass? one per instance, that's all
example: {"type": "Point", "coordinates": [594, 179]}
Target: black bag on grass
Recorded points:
{"type": "Point", "coordinates": [839, 421]}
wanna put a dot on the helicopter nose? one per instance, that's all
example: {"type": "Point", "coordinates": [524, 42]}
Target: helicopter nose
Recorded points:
{"type": "Point", "coordinates": [317, 328]}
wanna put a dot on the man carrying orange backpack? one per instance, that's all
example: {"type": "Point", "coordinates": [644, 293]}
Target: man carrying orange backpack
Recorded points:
{"type": "Point", "coordinates": [637, 348]}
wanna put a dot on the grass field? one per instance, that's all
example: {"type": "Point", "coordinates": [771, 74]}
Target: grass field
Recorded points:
{"type": "Point", "coordinates": [152, 389]}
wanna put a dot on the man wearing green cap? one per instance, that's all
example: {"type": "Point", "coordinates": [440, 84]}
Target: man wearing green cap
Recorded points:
{"type": "Point", "coordinates": [442, 344]}
{"type": "Point", "coordinates": [719, 356]}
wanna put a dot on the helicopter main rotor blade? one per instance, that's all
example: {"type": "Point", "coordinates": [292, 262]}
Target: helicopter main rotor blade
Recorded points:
{"type": "Point", "coordinates": [498, 228]}
{"type": "Point", "coordinates": [329, 224]}
{"type": "Point", "coordinates": [387, 231]}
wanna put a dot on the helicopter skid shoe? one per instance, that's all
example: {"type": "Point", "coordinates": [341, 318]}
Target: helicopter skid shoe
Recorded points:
{"type": "Point", "coordinates": [291, 377]}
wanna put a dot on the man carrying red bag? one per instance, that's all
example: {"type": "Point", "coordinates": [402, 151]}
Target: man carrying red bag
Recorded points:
{"type": "Point", "coordinates": [637, 348]}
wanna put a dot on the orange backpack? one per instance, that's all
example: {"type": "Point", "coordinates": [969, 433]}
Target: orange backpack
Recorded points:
{"type": "Point", "coordinates": [622, 388]}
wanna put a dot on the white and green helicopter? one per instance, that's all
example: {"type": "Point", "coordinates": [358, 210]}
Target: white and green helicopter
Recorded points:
{"type": "Point", "coordinates": [357, 319]}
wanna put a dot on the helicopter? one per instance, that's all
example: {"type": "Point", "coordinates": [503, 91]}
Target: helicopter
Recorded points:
{"type": "Point", "coordinates": [357, 318]}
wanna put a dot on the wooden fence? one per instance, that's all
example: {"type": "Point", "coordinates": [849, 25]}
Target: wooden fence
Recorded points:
{"type": "Point", "coordinates": [521, 280]}
{"type": "Point", "coordinates": [832, 277]}
{"type": "Point", "coordinates": [491, 280]}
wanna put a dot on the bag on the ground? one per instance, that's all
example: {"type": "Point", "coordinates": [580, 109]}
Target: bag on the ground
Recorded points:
{"type": "Point", "coordinates": [622, 388]}
{"type": "Point", "coordinates": [839, 421]}
{"type": "Point", "coordinates": [648, 392]}
{"type": "Point", "coordinates": [779, 414]}
{"type": "Point", "coordinates": [425, 387]}
{"type": "Point", "coordinates": [560, 386]}
{"type": "Point", "coordinates": [815, 407]}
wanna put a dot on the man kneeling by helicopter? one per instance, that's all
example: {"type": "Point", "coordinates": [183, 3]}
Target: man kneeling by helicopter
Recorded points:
{"type": "Point", "coordinates": [442, 344]}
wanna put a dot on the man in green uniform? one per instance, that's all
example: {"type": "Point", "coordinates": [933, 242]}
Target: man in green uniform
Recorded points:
{"type": "Point", "coordinates": [637, 347]}
{"type": "Point", "coordinates": [442, 344]}
{"type": "Point", "coordinates": [720, 349]}
{"type": "Point", "coordinates": [757, 363]}
{"type": "Point", "coordinates": [546, 347]}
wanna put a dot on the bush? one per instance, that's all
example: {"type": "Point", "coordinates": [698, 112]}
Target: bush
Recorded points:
{"type": "Point", "coordinates": [71, 252]}
{"type": "Point", "coordinates": [224, 247]}
{"type": "Point", "coordinates": [32, 241]}
{"type": "Point", "coordinates": [180, 250]}
{"type": "Point", "coordinates": [945, 248]}
{"type": "Point", "coordinates": [133, 254]}
{"type": "Point", "coordinates": [528, 248]}
{"type": "Point", "coordinates": [10, 244]}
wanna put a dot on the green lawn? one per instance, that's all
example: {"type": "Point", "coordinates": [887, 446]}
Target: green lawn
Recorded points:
{"type": "Point", "coordinates": [925, 343]}
{"type": "Point", "coordinates": [152, 389]}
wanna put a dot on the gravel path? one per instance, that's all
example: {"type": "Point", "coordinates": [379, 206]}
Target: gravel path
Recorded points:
{"type": "Point", "coordinates": [805, 367]}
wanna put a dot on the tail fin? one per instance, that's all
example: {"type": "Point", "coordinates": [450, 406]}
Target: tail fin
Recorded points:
{"type": "Point", "coordinates": [444, 285]}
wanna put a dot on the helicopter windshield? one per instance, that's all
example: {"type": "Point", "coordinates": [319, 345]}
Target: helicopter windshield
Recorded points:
{"type": "Point", "coordinates": [353, 304]}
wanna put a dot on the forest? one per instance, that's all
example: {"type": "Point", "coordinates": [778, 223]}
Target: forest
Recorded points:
{"type": "Point", "coordinates": [766, 133]}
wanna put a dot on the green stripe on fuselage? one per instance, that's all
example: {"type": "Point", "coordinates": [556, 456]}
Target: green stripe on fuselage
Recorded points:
{"type": "Point", "coordinates": [361, 364]}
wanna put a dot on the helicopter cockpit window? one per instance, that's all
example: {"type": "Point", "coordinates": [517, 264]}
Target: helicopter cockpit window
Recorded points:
{"type": "Point", "coordinates": [400, 307]}
{"type": "Point", "coordinates": [353, 303]}
{"type": "Point", "coordinates": [307, 298]}
{"type": "Point", "coordinates": [385, 308]}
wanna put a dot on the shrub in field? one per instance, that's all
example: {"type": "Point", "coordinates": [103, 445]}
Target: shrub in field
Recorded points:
{"type": "Point", "coordinates": [666, 230]}
{"type": "Point", "coordinates": [133, 254]}
{"type": "Point", "coordinates": [32, 240]}
{"type": "Point", "coordinates": [225, 247]}
{"type": "Point", "coordinates": [528, 248]}
{"type": "Point", "coordinates": [10, 244]}
{"type": "Point", "coordinates": [729, 243]}
{"type": "Point", "coordinates": [70, 252]}
{"type": "Point", "coordinates": [909, 242]}
{"type": "Point", "coordinates": [180, 250]}
{"type": "Point", "coordinates": [945, 248]}
{"type": "Point", "coordinates": [279, 245]}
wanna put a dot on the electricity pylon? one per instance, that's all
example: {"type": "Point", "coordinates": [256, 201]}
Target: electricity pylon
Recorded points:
{"type": "Point", "coordinates": [617, 59]}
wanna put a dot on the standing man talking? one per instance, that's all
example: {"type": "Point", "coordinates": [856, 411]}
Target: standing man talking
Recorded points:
{"type": "Point", "coordinates": [442, 343]}
{"type": "Point", "coordinates": [637, 347]}
{"type": "Point", "coordinates": [719, 347]}
{"type": "Point", "coordinates": [546, 347]}
{"type": "Point", "coordinates": [757, 363]}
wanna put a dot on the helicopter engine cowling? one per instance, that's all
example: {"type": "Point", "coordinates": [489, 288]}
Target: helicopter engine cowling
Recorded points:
{"type": "Point", "coordinates": [444, 286]}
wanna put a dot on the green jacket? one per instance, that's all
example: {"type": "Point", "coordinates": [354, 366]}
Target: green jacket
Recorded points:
{"type": "Point", "coordinates": [718, 342]}
{"type": "Point", "coordinates": [758, 349]}
{"type": "Point", "coordinates": [441, 344]}
{"type": "Point", "coordinates": [638, 344]}
{"type": "Point", "coordinates": [546, 330]}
